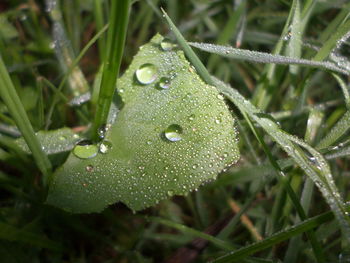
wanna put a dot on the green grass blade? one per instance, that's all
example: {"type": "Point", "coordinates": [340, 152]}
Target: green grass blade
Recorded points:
{"type": "Point", "coordinates": [261, 57]}
{"type": "Point", "coordinates": [192, 232]}
{"type": "Point", "coordinates": [12, 233]}
{"type": "Point", "coordinates": [64, 51]}
{"type": "Point", "coordinates": [202, 71]}
{"type": "Point", "coordinates": [277, 238]}
{"type": "Point", "coordinates": [228, 31]}
{"type": "Point", "coordinates": [99, 21]}
{"type": "Point", "coordinates": [293, 48]}
{"type": "Point", "coordinates": [317, 169]}
{"type": "Point", "coordinates": [69, 71]}
{"type": "Point", "coordinates": [119, 17]}
{"type": "Point", "coordinates": [16, 109]}
{"type": "Point", "coordinates": [332, 42]}
{"type": "Point", "coordinates": [336, 132]}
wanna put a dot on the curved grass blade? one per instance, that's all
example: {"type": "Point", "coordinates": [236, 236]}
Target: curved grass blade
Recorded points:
{"type": "Point", "coordinates": [261, 57]}
{"type": "Point", "coordinates": [10, 97]}
{"type": "Point", "coordinates": [278, 237]}
{"type": "Point", "coordinates": [314, 169]}
{"type": "Point", "coordinates": [192, 232]}
{"type": "Point", "coordinates": [336, 132]}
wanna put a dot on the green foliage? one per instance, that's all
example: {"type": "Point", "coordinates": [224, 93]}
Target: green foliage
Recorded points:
{"type": "Point", "coordinates": [173, 133]}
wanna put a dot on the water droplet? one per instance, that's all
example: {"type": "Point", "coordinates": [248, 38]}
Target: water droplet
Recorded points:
{"type": "Point", "coordinates": [220, 97]}
{"type": "Point", "coordinates": [62, 138]}
{"type": "Point", "coordinates": [89, 168]}
{"type": "Point", "coordinates": [164, 83]}
{"type": "Point", "coordinates": [102, 131]}
{"type": "Point", "coordinates": [218, 121]}
{"type": "Point", "coordinates": [105, 146]}
{"type": "Point", "coordinates": [166, 45]}
{"type": "Point", "coordinates": [191, 117]}
{"type": "Point", "coordinates": [85, 149]}
{"type": "Point", "coordinates": [170, 193]}
{"type": "Point", "coordinates": [146, 73]}
{"type": "Point", "coordinates": [173, 133]}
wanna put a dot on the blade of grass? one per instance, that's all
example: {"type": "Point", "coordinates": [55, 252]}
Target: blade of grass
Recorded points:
{"type": "Point", "coordinates": [292, 195]}
{"type": "Point", "coordinates": [313, 124]}
{"type": "Point", "coordinates": [12, 233]}
{"type": "Point", "coordinates": [99, 21]}
{"type": "Point", "coordinates": [69, 71]}
{"type": "Point", "coordinates": [228, 32]}
{"type": "Point", "coordinates": [336, 132]}
{"type": "Point", "coordinates": [332, 42]}
{"type": "Point", "coordinates": [192, 232]}
{"type": "Point", "coordinates": [63, 49]}
{"type": "Point", "coordinates": [119, 17]}
{"type": "Point", "coordinates": [16, 109]}
{"type": "Point", "coordinates": [318, 169]}
{"type": "Point", "coordinates": [278, 237]}
{"type": "Point", "coordinates": [261, 57]}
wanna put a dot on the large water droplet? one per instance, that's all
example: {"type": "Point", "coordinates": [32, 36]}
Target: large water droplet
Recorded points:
{"type": "Point", "coordinates": [173, 133]}
{"type": "Point", "coordinates": [164, 83]}
{"type": "Point", "coordinates": [105, 146]}
{"type": "Point", "coordinates": [146, 73]}
{"type": "Point", "coordinates": [166, 45]}
{"type": "Point", "coordinates": [85, 149]}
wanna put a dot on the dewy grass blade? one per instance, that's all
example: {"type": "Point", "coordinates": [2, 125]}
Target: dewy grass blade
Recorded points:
{"type": "Point", "coordinates": [293, 48]}
{"type": "Point", "coordinates": [119, 18]}
{"type": "Point", "coordinates": [336, 132]}
{"type": "Point", "coordinates": [70, 70]}
{"type": "Point", "coordinates": [63, 49]}
{"type": "Point", "coordinates": [316, 168]}
{"type": "Point", "coordinates": [261, 57]}
{"type": "Point", "coordinates": [332, 42]}
{"type": "Point", "coordinates": [10, 97]}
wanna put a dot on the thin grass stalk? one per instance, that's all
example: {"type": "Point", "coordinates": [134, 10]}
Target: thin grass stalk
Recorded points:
{"type": "Point", "coordinates": [119, 18]}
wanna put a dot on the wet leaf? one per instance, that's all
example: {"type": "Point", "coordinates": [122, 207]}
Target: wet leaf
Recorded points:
{"type": "Point", "coordinates": [173, 134]}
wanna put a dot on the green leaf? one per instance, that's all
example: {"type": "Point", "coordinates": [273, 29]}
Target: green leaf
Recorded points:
{"type": "Point", "coordinates": [171, 136]}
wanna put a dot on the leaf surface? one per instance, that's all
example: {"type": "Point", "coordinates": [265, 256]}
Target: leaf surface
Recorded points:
{"type": "Point", "coordinates": [173, 134]}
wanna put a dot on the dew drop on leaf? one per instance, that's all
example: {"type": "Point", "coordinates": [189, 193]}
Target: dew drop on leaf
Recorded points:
{"type": "Point", "coordinates": [105, 146]}
{"type": "Point", "coordinates": [166, 45]}
{"type": "Point", "coordinates": [191, 117]}
{"type": "Point", "coordinates": [173, 133]}
{"type": "Point", "coordinates": [146, 73]}
{"type": "Point", "coordinates": [164, 83]}
{"type": "Point", "coordinates": [85, 149]}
